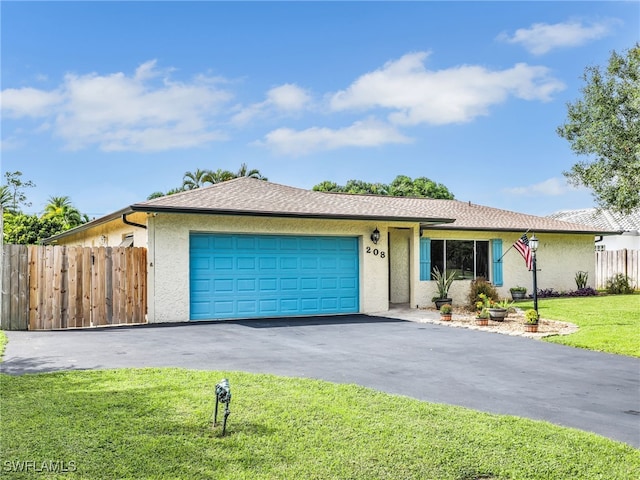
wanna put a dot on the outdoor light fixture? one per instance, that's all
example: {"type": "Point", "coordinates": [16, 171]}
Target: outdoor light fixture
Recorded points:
{"type": "Point", "coordinates": [223, 395]}
{"type": "Point", "coordinates": [375, 236]}
{"type": "Point", "coordinates": [533, 245]}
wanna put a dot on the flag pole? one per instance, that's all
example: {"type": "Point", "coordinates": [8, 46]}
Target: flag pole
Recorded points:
{"type": "Point", "coordinates": [497, 261]}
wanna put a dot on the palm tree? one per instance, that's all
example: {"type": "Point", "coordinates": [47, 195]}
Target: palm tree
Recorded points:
{"type": "Point", "coordinates": [220, 176]}
{"type": "Point", "coordinates": [253, 173]}
{"type": "Point", "coordinates": [61, 207]}
{"type": "Point", "coordinates": [6, 199]}
{"type": "Point", "coordinates": [197, 179]}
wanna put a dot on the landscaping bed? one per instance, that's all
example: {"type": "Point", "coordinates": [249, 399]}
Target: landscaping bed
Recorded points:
{"type": "Point", "coordinates": [513, 324]}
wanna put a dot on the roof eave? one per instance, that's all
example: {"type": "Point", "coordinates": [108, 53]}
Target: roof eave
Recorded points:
{"type": "Point", "coordinates": [270, 213]}
{"type": "Point", "coordinates": [520, 229]}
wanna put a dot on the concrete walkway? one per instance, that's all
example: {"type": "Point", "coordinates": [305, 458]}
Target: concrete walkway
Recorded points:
{"type": "Point", "coordinates": [490, 372]}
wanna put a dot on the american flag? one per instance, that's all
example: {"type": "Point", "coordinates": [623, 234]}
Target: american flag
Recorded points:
{"type": "Point", "coordinates": [522, 245]}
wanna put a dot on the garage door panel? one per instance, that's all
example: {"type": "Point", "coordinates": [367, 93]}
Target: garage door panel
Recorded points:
{"type": "Point", "coordinates": [267, 263]}
{"type": "Point", "coordinates": [288, 284]}
{"type": "Point", "coordinates": [240, 276]}
{"type": "Point", "coordinates": [246, 285]}
{"type": "Point", "coordinates": [268, 307]}
{"type": "Point", "coordinates": [245, 243]}
{"type": "Point", "coordinates": [308, 263]}
{"type": "Point", "coordinates": [223, 263]}
{"type": "Point", "coordinates": [289, 263]}
{"type": "Point", "coordinates": [222, 285]}
{"type": "Point", "coordinates": [268, 285]}
{"type": "Point", "coordinates": [246, 263]}
{"type": "Point", "coordinates": [222, 243]}
{"type": "Point", "coordinates": [223, 307]}
{"type": "Point", "coordinates": [309, 305]}
{"type": "Point", "coordinates": [246, 307]}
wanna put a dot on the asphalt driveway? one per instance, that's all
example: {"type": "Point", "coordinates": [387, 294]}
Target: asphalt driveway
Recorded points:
{"type": "Point", "coordinates": [486, 371]}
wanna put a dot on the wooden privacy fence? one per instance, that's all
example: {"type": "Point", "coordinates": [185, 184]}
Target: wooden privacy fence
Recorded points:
{"type": "Point", "coordinates": [53, 287]}
{"type": "Point", "coordinates": [609, 263]}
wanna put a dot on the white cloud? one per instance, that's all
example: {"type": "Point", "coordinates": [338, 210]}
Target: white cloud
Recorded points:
{"type": "Point", "coordinates": [144, 112]}
{"type": "Point", "coordinates": [284, 99]}
{"type": "Point", "coordinates": [368, 133]}
{"type": "Point", "coordinates": [455, 95]}
{"type": "Point", "coordinates": [552, 187]}
{"type": "Point", "coordinates": [541, 38]}
{"type": "Point", "coordinates": [28, 102]}
{"type": "Point", "coordinates": [288, 97]}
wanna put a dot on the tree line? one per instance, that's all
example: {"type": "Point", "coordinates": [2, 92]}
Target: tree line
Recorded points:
{"type": "Point", "coordinates": [19, 227]}
{"type": "Point", "coordinates": [200, 178]}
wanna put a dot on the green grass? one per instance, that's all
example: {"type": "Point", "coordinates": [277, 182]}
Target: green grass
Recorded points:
{"type": "Point", "coordinates": [3, 343]}
{"type": "Point", "coordinates": [608, 323]}
{"type": "Point", "coordinates": [156, 423]}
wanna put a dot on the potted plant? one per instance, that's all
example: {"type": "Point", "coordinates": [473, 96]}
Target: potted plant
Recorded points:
{"type": "Point", "coordinates": [482, 310]}
{"type": "Point", "coordinates": [445, 312]}
{"type": "Point", "coordinates": [498, 311]}
{"type": "Point", "coordinates": [518, 293]}
{"type": "Point", "coordinates": [482, 317]}
{"type": "Point", "coordinates": [443, 284]}
{"type": "Point", "coordinates": [531, 321]}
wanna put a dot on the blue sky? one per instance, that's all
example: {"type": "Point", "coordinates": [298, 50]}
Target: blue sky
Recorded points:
{"type": "Point", "coordinates": [108, 102]}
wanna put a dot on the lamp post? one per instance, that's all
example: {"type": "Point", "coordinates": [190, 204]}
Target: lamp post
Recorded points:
{"type": "Point", "coordinates": [533, 245]}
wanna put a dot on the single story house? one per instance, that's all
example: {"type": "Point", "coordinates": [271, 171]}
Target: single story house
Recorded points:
{"type": "Point", "coordinates": [248, 248]}
{"type": "Point", "coordinates": [627, 225]}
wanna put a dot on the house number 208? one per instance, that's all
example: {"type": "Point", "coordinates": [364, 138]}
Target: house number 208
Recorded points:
{"type": "Point", "coordinates": [376, 252]}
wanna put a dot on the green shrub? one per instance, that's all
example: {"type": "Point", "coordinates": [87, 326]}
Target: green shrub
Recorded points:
{"type": "Point", "coordinates": [619, 284]}
{"type": "Point", "coordinates": [581, 280]}
{"type": "Point", "coordinates": [478, 286]}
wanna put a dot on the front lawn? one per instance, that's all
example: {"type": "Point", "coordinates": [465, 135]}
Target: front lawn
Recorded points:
{"type": "Point", "coordinates": [3, 343]}
{"type": "Point", "coordinates": [156, 423]}
{"type": "Point", "coordinates": [608, 323]}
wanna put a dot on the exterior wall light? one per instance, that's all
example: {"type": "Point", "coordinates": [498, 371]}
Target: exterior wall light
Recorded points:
{"type": "Point", "coordinates": [375, 236]}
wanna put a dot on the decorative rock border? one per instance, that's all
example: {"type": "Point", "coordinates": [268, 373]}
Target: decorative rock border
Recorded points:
{"type": "Point", "coordinates": [512, 325]}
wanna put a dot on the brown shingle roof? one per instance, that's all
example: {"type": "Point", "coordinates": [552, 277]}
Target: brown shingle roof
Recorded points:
{"type": "Point", "coordinates": [249, 196]}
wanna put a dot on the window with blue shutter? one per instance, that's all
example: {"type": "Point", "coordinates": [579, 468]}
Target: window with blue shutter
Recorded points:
{"type": "Point", "coordinates": [425, 258]}
{"type": "Point", "coordinates": [496, 246]}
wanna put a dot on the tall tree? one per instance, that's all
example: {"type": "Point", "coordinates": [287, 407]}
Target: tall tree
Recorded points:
{"type": "Point", "coordinates": [402, 186]}
{"type": "Point", "coordinates": [197, 179]}
{"type": "Point", "coordinates": [16, 187]}
{"type": "Point", "coordinates": [605, 125]}
{"type": "Point", "coordinates": [200, 178]}
{"type": "Point", "coordinates": [220, 176]}
{"type": "Point", "coordinates": [29, 229]}
{"type": "Point", "coordinates": [63, 209]}
{"type": "Point", "coordinates": [253, 173]}
{"type": "Point", "coordinates": [6, 199]}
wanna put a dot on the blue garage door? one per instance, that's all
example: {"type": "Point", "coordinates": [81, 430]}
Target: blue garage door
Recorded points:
{"type": "Point", "coordinates": [243, 276]}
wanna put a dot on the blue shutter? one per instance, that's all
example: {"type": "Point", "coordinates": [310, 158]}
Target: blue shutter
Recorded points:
{"type": "Point", "coordinates": [425, 258]}
{"type": "Point", "coordinates": [496, 244]}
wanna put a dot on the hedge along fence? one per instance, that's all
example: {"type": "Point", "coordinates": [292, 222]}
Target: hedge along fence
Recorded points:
{"type": "Point", "coordinates": [610, 263]}
{"type": "Point", "coordinates": [56, 287]}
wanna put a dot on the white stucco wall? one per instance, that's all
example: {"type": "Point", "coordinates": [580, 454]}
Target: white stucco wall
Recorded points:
{"type": "Point", "coordinates": [559, 257]}
{"type": "Point", "coordinates": [399, 265]}
{"type": "Point", "coordinates": [169, 256]}
{"type": "Point", "coordinates": [629, 240]}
